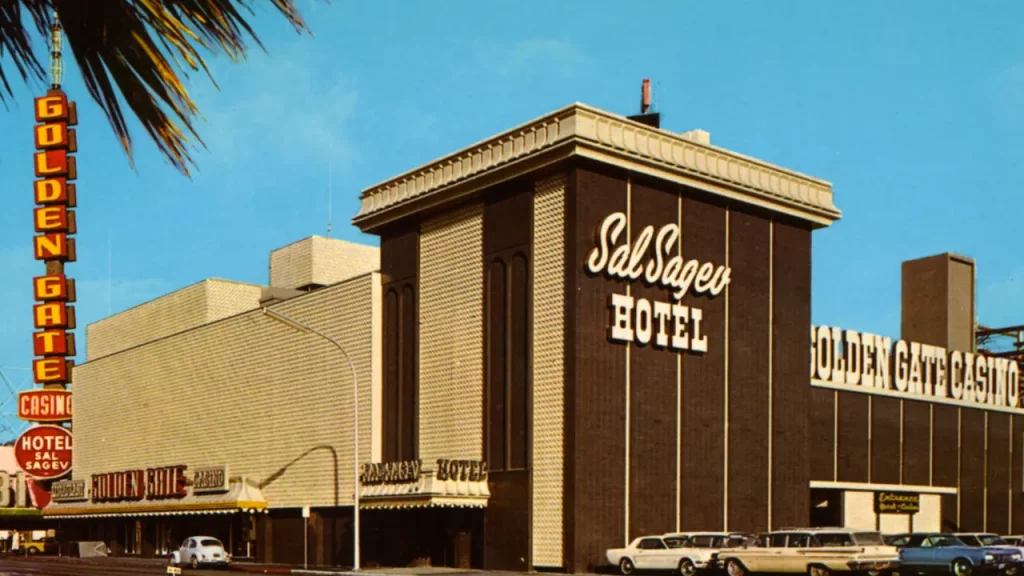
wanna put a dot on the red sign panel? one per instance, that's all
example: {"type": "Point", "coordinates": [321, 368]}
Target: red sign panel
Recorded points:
{"type": "Point", "coordinates": [44, 405]}
{"type": "Point", "coordinates": [44, 452]}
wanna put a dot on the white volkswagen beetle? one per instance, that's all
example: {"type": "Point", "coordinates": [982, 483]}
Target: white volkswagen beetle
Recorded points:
{"type": "Point", "coordinates": [199, 551]}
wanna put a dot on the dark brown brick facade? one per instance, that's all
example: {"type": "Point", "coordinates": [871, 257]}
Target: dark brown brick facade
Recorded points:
{"type": "Point", "coordinates": [653, 400]}
{"type": "Point", "coordinates": [596, 465]}
{"type": "Point", "coordinates": [791, 358]}
{"type": "Point", "coordinates": [749, 339]}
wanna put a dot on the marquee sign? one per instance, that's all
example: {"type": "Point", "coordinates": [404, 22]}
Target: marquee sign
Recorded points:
{"type": "Point", "coordinates": [68, 491]}
{"type": "Point", "coordinates": [663, 324]}
{"type": "Point", "coordinates": [148, 484]}
{"type": "Point", "coordinates": [461, 470]}
{"type": "Point", "coordinates": [404, 472]}
{"type": "Point", "coordinates": [44, 405]}
{"type": "Point", "coordinates": [44, 452]}
{"type": "Point", "coordinates": [54, 219]}
{"type": "Point", "coordinates": [844, 358]}
{"type": "Point", "coordinates": [210, 480]}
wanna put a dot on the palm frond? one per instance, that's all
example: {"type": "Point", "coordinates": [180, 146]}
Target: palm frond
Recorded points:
{"type": "Point", "coordinates": [140, 50]}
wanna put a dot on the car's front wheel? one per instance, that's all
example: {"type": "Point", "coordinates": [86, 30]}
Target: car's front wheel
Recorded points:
{"type": "Point", "coordinates": [626, 567]}
{"type": "Point", "coordinates": [194, 563]}
{"type": "Point", "coordinates": [962, 567]}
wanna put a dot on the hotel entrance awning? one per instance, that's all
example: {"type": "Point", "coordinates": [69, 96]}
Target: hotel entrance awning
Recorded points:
{"type": "Point", "coordinates": [242, 496]}
{"type": "Point", "coordinates": [446, 484]}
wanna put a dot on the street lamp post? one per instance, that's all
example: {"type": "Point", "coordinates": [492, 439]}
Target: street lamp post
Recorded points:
{"type": "Point", "coordinates": [355, 408]}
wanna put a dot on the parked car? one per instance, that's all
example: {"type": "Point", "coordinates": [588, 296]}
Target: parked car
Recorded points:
{"type": "Point", "coordinates": [812, 551]}
{"type": "Point", "coordinates": [698, 550]}
{"type": "Point", "coordinates": [988, 540]}
{"type": "Point", "coordinates": [922, 553]}
{"type": "Point", "coordinates": [200, 551]}
{"type": "Point", "coordinates": [1014, 540]}
{"type": "Point", "coordinates": [43, 546]}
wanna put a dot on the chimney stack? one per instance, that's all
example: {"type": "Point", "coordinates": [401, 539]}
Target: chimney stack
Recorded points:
{"type": "Point", "coordinates": [652, 119]}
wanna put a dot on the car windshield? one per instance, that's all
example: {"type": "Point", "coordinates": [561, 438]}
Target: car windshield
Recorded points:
{"type": "Point", "coordinates": [992, 540]}
{"type": "Point", "coordinates": [869, 539]}
{"type": "Point", "coordinates": [970, 540]}
{"type": "Point", "coordinates": [945, 541]}
{"type": "Point", "coordinates": [210, 542]}
{"type": "Point", "coordinates": [675, 542]}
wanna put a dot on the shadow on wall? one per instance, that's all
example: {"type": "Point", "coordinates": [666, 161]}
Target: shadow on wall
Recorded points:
{"type": "Point", "coordinates": [281, 471]}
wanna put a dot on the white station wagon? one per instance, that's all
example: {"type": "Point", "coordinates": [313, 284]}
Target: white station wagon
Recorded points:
{"type": "Point", "coordinates": [815, 552]}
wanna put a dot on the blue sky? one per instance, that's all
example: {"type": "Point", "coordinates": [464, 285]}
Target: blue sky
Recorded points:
{"type": "Point", "coordinates": [913, 110]}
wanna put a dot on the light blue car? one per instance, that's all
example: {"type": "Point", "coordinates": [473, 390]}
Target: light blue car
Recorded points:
{"type": "Point", "coordinates": [939, 553]}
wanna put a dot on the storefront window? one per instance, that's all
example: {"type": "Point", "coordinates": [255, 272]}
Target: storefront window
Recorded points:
{"type": "Point", "coordinates": [163, 541]}
{"type": "Point", "coordinates": [131, 538]}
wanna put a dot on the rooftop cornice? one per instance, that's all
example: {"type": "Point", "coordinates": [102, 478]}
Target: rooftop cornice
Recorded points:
{"type": "Point", "coordinates": [580, 130]}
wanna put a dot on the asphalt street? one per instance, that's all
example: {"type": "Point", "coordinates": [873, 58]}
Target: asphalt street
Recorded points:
{"type": "Point", "coordinates": [69, 567]}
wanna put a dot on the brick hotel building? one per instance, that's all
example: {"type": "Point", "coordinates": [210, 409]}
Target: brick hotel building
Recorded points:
{"type": "Point", "coordinates": [581, 330]}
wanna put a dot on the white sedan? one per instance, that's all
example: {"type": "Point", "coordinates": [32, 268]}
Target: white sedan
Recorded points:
{"type": "Point", "coordinates": [200, 551]}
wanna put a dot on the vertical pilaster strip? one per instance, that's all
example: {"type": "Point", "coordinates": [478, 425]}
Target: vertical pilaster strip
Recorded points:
{"type": "Point", "coordinates": [931, 444]}
{"type": "Point", "coordinates": [725, 443]}
{"type": "Point", "coordinates": [1009, 487]}
{"type": "Point", "coordinates": [835, 436]}
{"type": "Point", "coordinates": [376, 368]}
{"type": "Point", "coordinates": [679, 393]}
{"type": "Point", "coordinates": [629, 234]}
{"type": "Point", "coordinates": [871, 417]}
{"type": "Point", "coordinates": [901, 441]}
{"type": "Point", "coordinates": [959, 458]}
{"type": "Point", "coordinates": [549, 244]}
{"type": "Point", "coordinates": [984, 490]}
{"type": "Point", "coordinates": [771, 319]}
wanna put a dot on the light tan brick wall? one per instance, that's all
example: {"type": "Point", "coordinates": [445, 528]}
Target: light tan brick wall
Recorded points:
{"type": "Point", "coordinates": [269, 401]}
{"type": "Point", "coordinates": [451, 336]}
{"type": "Point", "coordinates": [225, 298]}
{"type": "Point", "coordinates": [548, 369]}
{"type": "Point", "coordinates": [336, 260]}
{"type": "Point", "coordinates": [184, 309]}
{"type": "Point", "coordinates": [323, 261]}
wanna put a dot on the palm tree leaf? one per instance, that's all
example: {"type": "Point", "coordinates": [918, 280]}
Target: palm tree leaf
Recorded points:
{"type": "Point", "coordinates": [138, 50]}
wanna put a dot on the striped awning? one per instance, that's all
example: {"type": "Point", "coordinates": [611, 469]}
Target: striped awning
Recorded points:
{"type": "Point", "coordinates": [242, 496]}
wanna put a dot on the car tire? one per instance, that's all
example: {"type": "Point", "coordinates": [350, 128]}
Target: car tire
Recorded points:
{"type": "Point", "coordinates": [819, 571]}
{"type": "Point", "coordinates": [194, 563]}
{"type": "Point", "coordinates": [32, 551]}
{"type": "Point", "coordinates": [735, 568]}
{"type": "Point", "coordinates": [626, 567]}
{"type": "Point", "coordinates": [687, 568]}
{"type": "Point", "coordinates": [961, 567]}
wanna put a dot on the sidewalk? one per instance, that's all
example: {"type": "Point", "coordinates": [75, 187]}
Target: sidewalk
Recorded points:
{"type": "Point", "coordinates": [256, 568]}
